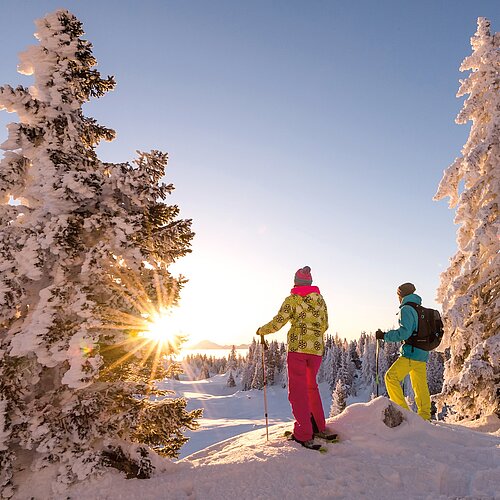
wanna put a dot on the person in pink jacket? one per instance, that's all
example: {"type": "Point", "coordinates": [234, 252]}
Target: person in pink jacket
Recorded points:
{"type": "Point", "coordinates": [306, 310]}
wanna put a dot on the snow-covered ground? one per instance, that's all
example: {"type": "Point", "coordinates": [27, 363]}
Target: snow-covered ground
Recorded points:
{"type": "Point", "coordinates": [416, 460]}
{"type": "Point", "coordinates": [228, 412]}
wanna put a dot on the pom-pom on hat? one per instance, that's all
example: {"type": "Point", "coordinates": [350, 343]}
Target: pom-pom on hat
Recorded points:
{"type": "Point", "coordinates": [303, 276]}
{"type": "Point", "coordinates": [405, 289]}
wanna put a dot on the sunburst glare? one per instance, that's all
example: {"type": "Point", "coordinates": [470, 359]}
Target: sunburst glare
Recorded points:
{"type": "Point", "coordinates": [160, 327]}
{"type": "Point", "coordinates": [151, 330]}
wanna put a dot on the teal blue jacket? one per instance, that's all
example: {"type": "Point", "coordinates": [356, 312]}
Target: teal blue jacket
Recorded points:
{"type": "Point", "coordinates": [408, 323]}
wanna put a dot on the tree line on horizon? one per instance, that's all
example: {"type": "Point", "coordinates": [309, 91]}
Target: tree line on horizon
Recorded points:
{"type": "Point", "coordinates": [348, 367]}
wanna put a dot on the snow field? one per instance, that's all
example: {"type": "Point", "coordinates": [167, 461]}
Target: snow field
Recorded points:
{"type": "Point", "coordinates": [416, 460]}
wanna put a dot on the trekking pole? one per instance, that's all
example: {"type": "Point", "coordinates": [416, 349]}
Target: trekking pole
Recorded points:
{"type": "Point", "coordinates": [376, 364]}
{"type": "Point", "coordinates": [264, 348]}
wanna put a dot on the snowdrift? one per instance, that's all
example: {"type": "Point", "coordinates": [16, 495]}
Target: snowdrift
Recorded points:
{"type": "Point", "coordinates": [415, 460]}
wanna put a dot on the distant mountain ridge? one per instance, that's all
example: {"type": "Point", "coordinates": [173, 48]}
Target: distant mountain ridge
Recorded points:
{"type": "Point", "coordinates": [208, 344]}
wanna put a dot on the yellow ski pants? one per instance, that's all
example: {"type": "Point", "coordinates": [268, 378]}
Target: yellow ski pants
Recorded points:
{"type": "Point", "coordinates": [418, 377]}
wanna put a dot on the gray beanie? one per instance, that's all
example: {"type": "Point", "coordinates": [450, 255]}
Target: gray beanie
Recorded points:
{"type": "Point", "coordinates": [405, 289]}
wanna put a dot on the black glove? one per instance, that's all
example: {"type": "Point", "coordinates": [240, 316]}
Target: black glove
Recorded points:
{"type": "Point", "coordinates": [379, 334]}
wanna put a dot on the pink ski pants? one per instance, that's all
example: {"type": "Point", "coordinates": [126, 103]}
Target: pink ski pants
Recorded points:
{"type": "Point", "coordinates": [303, 394]}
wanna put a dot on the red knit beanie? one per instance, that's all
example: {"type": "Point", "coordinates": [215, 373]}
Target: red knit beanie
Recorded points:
{"type": "Point", "coordinates": [303, 276]}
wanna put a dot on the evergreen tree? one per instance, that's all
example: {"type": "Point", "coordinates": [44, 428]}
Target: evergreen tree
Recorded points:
{"type": "Point", "coordinates": [354, 354]}
{"type": "Point", "coordinates": [391, 352]}
{"type": "Point", "coordinates": [353, 364]}
{"type": "Point", "coordinates": [258, 375]}
{"type": "Point", "coordinates": [204, 372]}
{"type": "Point", "coordinates": [230, 380]}
{"type": "Point", "coordinates": [336, 363]}
{"type": "Point", "coordinates": [339, 399]}
{"type": "Point", "coordinates": [249, 368]}
{"type": "Point", "coordinates": [280, 359]}
{"type": "Point", "coordinates": [270, 359]}
{"type": "Point", "coordinates": [344, 373]}
{"type": "Point", "coordinates": [384, 364]}
{"type": "Point", "coordinates": [435, 369]}
{"type": "Point", "coordinates": [324, 371]}
{"type": "Point", "coordinates": [368, 363]}
{"type": "Point", "coordinates": [275, 362]}
{"type": "Point", "coordinates": [85, 256]}
{"type": "Point", "coordinates": [284, 377]}
{"type": "Point", "coordinates": [232, 362]}
{"type": "Point", "coordinates": [470, 288]}
{"type": "Point", "coordinates": [361, 345]}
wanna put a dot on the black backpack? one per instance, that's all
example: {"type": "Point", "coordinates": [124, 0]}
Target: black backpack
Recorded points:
{"type": "Point", "coordinates": [430, 328]}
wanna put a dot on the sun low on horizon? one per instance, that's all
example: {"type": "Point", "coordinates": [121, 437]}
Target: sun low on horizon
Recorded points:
{"type": "Point", "coordinates": [161, 327]}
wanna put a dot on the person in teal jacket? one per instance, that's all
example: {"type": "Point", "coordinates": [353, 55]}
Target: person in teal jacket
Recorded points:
{"type": "Point", "coordinates": [413, 361]}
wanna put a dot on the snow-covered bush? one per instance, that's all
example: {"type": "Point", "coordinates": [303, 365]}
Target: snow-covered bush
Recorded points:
{"type": "Point", "coordinates": [84, 260]}
{"type": "Point", "coordinates": [470, 288]}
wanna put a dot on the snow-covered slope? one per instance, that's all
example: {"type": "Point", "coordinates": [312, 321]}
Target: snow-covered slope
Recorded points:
{"type": "Point", "coordinates": [416, 460]}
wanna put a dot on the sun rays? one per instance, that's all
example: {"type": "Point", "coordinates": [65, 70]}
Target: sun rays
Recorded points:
{"type": "Point", "coordinates": [145, 316]}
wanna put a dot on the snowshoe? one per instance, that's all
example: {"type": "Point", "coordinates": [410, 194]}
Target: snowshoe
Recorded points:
{"type": "Point", "coordinates": [310, 444]}
{"type": "Point", "coordinates": [326, 436]}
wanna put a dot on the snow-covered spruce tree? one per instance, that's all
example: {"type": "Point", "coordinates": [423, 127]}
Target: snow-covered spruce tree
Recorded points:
{"type": "Point", "coordinates": [391, 350]}
{"type": "Point", "coordinates": [368, 363]}
{"type": "Point", "coordinates": [249, 367]}
{"type": "Point", "coordinates": [81, 256]}
{"type": "Point", "coordinates": [232, 361]}
{"type": "Point", "coordinates": [280, 358]}
{"type": "Point", "coordinates": [470, 288]}
{"type": "Point", "coordinates": [204, 372]}
{"type": "Point", "coordinates": [353, 353]}
{"type": "Point", "coordinates": [324, 367]}
{"type": "Point", "coordinates": [435, 368]}
{"type": "Point", "coordinates": [361, 345]}
{"type": "Point", "coordinates": [270, 360]}
{"type": "Point", "coordinates": [339, 399]}
{"type": "Point", "coordinates": [347, 370]}
{"type": "Point", "coordinates": [333, 363]}
{"type": "Point", "coordinates": [258, 375]}
{"type": "Point", "coordinates": [383, 365]}
{"type": "Point", "coordinates": [230, 380]}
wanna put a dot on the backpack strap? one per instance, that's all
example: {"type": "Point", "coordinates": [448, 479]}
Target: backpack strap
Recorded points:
{"type": "Point", "coordinates": [415, 307]}
{"type": "Point", "coordinates": [412, 304]}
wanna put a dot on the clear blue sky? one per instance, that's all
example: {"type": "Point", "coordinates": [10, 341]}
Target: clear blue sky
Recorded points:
{"type": "Point", "coordinates": [299, 132]}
